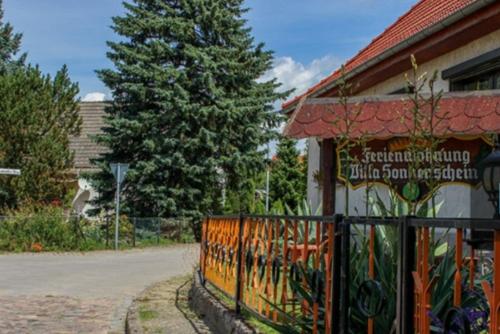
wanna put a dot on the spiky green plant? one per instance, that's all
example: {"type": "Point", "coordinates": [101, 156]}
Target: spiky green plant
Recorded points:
{"type": "Point", "coordinates": [386, 247]}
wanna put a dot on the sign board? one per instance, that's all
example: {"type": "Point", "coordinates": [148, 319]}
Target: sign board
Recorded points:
{"type": "Point", "coordinates": [8, 171]}
{"type": "Point", "coordinates": [119, 171]}
{"type": "Point", "coordinates": [387, 162]}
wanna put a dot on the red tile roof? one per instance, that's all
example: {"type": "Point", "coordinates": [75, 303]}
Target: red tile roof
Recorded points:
{"type": "Point", "coordinates": [459, 114]}
{"type": "Point", "coordinates": [423, 15]}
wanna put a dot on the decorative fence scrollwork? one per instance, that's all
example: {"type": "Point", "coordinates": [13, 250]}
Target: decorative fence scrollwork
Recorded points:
{"type": "Point", "coordinates": [342, 275]}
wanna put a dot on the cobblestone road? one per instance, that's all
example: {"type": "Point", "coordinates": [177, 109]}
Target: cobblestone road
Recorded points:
{"type": "Point", "coordinates": [81, 293]}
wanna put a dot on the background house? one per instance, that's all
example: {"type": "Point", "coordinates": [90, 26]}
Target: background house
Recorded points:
{"type": "Point", "coordinates": [85, 149]}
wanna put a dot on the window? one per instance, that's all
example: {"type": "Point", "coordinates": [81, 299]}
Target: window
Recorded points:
{"type": "Point", "coordinates": [480, 73]}
{"type": "Point", "coordinates": [404, 90]}
{"type": "Point", "coordinates": [490, 80]}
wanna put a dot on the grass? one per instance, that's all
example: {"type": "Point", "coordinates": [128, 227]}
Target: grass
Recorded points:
{"type": "Point", "coordinates": [165, 305]}
{"type": "Point", "coordinates": [146, 314]}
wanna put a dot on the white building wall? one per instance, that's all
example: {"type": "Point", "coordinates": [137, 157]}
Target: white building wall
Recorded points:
{"type": "Point", "coordinates": [474, 49]}
{"type": "Point", "coordinates": [458, 200]}
{"type": "Point", "coordinates": [313, 188]}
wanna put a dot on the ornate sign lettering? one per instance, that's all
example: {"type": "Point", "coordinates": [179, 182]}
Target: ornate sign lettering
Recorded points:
{"type": "Point", "coordinates": [387, 162]}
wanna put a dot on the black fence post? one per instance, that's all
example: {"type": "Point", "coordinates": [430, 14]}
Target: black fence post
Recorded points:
{"type": "Point", "coordinates": [336, 267]}
{"type": "Point", "coordinates": [239, 264]}
{"type": "Point", "coordinates": [344, 277]}
{"type": "Point", "coordinates": [405, 289]}
{"type": "Point", "coordinates": [204, 248]}
{"type": "Point", "coordinates": [133, 230]}
{"type": "Point", "coordinates": [77, 230]}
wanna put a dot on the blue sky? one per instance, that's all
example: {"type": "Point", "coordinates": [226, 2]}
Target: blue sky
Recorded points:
{"type": "Point", "coordinates": [310, 37]}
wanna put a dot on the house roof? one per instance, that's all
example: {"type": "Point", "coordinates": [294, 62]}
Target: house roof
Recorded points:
{"type": "Point", "coordinates": [467, 114]}
{"type": "Point", "coordinates": [85, 149]}
{"type": "Point", "coordinates": [425, 14]}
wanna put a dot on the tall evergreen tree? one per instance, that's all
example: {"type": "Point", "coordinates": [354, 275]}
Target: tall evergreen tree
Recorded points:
{"type": "Point", "coordinates": [188, 113]}
{"type": "Point", "coordinates": [288, 181]}
{"type": "Point", "coordinates": [37, 116]}
{"type": "Point", "coordinates": [10, 44]}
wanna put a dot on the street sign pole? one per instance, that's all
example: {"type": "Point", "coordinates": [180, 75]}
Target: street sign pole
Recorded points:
{"type": "Point", "coordinates": [119, 171]}
{"type": "Point", "coordinates": [268, 172]}
{"type": "Point", "coordinates": [117, 218]}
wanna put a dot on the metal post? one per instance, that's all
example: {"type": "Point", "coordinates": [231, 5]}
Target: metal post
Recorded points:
{"type": "Point", "coordinates": [75, 228]}
{"type": "Point", "coordinates": [267, 190]}
{"type": "Point", "coordinates": [405, 289]}
{"type": "Point", "coordinates": [205, 249]}
{"type": "Point", "coordinates": [344, 277]}
{"type": "Point", "coordinates": [117, 218]}
{"type": "Point", "coordinates": [133, 231]}
{"type": "Point", "coordinates": [158, 231]}
{"type": "Point", "coordinates": [336, 267]}
{"type": "Point", "coordinates": [268, 172]}
{"type": "Point", "coordinates": [107, 231]}
{"type": "Point", "coordinates": [239, 264]}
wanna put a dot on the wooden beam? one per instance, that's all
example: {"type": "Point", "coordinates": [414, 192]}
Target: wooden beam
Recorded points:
{"type": "Point", "coordinates": [329, 173]}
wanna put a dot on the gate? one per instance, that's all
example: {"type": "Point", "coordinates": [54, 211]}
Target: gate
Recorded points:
{"type": "Point", "coordinates": [356, 274]}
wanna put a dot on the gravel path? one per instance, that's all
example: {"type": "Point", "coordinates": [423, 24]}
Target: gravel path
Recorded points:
{"type": "Point", "coordinates": [164, 308]}
{"type": "Point", "coordinates": [81, 292]}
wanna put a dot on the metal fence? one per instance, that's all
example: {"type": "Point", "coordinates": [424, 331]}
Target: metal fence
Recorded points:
{"type": "Point", "coordinates": [95, 232]}
{"type": "Point", "coordinates": [357, 275]}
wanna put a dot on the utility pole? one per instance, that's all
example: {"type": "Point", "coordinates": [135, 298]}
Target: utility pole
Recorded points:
{"type": "Point", "coordinates": [268, 174]}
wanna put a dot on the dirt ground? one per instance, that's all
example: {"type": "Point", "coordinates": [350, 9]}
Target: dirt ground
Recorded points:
{"type": "Point", "coordinates": [163, 308]}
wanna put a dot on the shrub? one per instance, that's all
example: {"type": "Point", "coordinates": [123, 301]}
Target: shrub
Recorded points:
{"type": "Point", "coordinates": [36, 228]}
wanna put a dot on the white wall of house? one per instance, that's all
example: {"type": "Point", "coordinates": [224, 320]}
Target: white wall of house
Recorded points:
{"type": "Point", "coordinates": [458, 200]}
{"type": "Point", "coordinates": [474, 49]}
{"type": "Point", "coordinates": [313, 188]}
{"type": "Point", "coordinates": [84, 194]}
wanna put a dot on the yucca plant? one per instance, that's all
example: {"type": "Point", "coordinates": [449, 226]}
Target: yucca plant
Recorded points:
{"type": "Point", "coordinates": [385, 260]}
{"type": "Point", "coordinates": [295, 320]}
{"type": "Point", "coordinates": [386, 254]}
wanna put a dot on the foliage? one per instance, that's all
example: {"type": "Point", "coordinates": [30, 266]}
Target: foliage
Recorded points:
{"type": "Point", "coordinates": [37, 116]}
{"type": "Point", "coordinates": [47, 226]}
{"type": "Point", "coordinates": [422, 133]}
{"type": "Point", "coordinates": [188, 112]}
{"type": "Point", "coordinates": [347, 124]}
{"type": "Point", "coordinates": [288, 177]}
{"type": "Point", "coordinates": [398, 207]}
{"type": "Point", "coordinates": [386, 254]}
{"type": "Point", "coordinates": [249, 198]}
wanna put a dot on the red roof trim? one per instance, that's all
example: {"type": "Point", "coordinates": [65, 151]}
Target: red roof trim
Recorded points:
{"type": "Point", "coordinates": [382, 117]}
{"type": "Point", "coordinates": [420, 17]}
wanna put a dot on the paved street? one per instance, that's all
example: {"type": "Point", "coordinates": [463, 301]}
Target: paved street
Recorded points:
{"type": "Point", "coordinates": [81, 293]}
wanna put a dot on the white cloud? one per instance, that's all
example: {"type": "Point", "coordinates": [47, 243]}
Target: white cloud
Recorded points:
{"type": "Point", "coordinates": [295, 75]}
{"type": "Point", "coordinates": [94, 97]}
